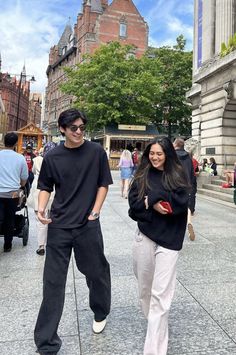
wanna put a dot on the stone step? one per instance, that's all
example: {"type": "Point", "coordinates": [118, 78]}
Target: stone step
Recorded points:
{"type": "Point", "coordinates": [216, 195]}
{"type": "Point", "coordinates": [217, 201]}
{"type": "Point", "coordinates": [218, 188]}
{"type": "Point", "coordinates": [218, 181]}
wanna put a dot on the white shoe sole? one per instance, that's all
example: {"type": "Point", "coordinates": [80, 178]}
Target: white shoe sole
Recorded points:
{"type": "Point", "coordinates": [98, 327]}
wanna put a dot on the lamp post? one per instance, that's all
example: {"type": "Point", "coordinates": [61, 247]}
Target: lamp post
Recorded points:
{"type": "Point", "coordinates": [22, 75]}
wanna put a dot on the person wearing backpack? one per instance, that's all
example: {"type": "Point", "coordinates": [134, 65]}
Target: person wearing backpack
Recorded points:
{"type": "Point", "coordinates": [135, 158]}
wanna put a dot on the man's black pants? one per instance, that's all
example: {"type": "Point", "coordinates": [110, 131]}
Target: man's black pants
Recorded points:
{"type": "Point", "coordinates": [87, 243]}
{"type": "Point", "coordinates": [8, 207]}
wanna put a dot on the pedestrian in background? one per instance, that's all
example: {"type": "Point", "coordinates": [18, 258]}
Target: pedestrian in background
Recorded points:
{"type": "Point", "coordinates": [192, 202]}
{"type": "Point", "coordinates": [187, 164]}
{"type": "Point", "coordinates": [13, 175]}
{"type": "Point", "coordinates": [29, 156]}
{"type": "Point", "coordinates": [204, 164]}
{"type": "Point", "coordinates": [159, 181]}
{"type": "Point", "coordinates": [136, 156]}
{"type": "Point", "coordinates": [79, 172]}
{"type": "Point", "coordinates": [213, 166]}
{"type": "Point", "coordinates": [230, 176]}
{"type": "Point", "coordinates": [126, 170]}
{"type": "Point", "coordinates": [32, 200]}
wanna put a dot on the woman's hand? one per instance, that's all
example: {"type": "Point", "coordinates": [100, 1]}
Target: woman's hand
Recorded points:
{"type": "Point", "coordinates": [159, 208]}
{"type": "Point", "coordinates": [146, 202]}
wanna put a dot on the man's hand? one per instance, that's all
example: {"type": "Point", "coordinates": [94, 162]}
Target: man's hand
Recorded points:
{"type": "Point", "coordinates": [43, 217]}
{"type": "Point", "coordinates": [91, 218]}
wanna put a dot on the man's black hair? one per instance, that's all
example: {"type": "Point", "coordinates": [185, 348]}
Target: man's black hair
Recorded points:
{"type": "Point", "coordinates": [10, 139]}
{"type": "Point", "coordinates": [68, 117]}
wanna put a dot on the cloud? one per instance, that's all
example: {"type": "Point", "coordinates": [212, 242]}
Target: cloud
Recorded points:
{"type": "Point", "coordinates": [28, 30]}
{"type": "Point", "coordinates": [168, 19]}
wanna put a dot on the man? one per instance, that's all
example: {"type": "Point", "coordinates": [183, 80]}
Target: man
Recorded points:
{"type": "Point", "coordinates": [29, 156]}
{"type": "Point", "coordinates": [136, 158]}
{"type": "Point", "coordinates": [79, 171]}
{"type": "Point", "coordinates": [13, 175]}
{"type": "Point", "coordinates": [187, 164]}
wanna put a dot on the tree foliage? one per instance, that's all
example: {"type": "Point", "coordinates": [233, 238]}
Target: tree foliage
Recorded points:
{"type": "Point", "coordinates": [112, 85]}
{"type": "Point", "coordinates": [173, 113]}
{"type": "Point", "coordinates": [230, 47]}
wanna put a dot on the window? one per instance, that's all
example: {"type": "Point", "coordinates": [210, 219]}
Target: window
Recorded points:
{"type": "Point", "coordinates": [123, 30]}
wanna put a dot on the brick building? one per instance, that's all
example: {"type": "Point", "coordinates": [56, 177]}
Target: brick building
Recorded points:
{"type": "Point", "coordinates": [15, 97]}
{"type": "Point", "coordinates": [35, 108]}
{"type": "Point", "coordinates": [98, 23]}
{"type": "Point", "coordinates": [3, 122]}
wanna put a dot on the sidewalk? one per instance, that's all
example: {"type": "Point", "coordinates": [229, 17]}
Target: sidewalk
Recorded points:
{"type": "Point", "coordinates": [203, 315]}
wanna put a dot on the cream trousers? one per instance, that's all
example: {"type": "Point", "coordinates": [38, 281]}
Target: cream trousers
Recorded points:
{"type": "Point", "coordinates": [42, 231]}
{"type": "Point", "coordinates": [155, 270]}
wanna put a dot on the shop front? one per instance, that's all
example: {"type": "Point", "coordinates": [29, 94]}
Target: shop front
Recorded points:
{"type": "Point", "coordinates": [30, 134]}
{"type": "Point", "coordinates": [116, 138]}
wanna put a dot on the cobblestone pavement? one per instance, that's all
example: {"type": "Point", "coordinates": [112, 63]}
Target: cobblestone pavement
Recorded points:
{"type": "Point", "coordinates": [203, 314]}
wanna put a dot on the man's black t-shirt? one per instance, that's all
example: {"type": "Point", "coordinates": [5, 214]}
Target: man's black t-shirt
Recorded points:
{"type": "Point", "coordinates": [76, 173]}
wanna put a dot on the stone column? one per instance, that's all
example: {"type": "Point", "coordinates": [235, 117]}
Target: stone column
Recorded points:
{"type": "Point", "coordinates": [208, 30]}
{"type": "Point", "coordinates": [195, 37]}
{"type": "Point", "coordinates": [225, 22]}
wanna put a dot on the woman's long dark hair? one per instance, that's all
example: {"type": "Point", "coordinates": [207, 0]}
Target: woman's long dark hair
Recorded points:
{"type": "Point", "coordinates": [173, 174]}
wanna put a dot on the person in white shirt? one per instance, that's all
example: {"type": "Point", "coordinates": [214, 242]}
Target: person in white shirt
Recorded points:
{"type": "Point", "coordinates": [32, 201]}
{"type": "Point", "coordinates": [13, 175]}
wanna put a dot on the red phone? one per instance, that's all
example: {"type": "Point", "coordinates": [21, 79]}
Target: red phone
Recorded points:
{"type": "Point", "coordinates": [167, 206]}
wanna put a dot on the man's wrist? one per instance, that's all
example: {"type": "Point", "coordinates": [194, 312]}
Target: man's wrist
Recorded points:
{"type": "Point", "coordinates": [94, 214]}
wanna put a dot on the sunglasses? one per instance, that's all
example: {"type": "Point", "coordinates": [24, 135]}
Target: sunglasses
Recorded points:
{"type": "Point", "coordinates": [74, 127]}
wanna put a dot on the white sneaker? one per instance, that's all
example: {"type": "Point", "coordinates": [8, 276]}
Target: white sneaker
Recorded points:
{"type": "Point", "coordinates": [98, 327]}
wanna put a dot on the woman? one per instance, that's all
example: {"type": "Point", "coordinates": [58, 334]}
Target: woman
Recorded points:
{"type": "Point", "coordinates": [159, 178]}
{"type": "Point", "coordinates": [205, 164]}
{"type": "Point", "coordinates": [213, 166]}
{"type": "Point", "coordinates": [32, 200]}
{"type": "Point", "coordinates": [230, 176]}
{"type": "Point", "coordinates": [126, 169]}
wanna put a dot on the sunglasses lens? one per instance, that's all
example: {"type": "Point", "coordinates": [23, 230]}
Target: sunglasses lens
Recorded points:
{"type": "Point", "coordinates": [74, 128]}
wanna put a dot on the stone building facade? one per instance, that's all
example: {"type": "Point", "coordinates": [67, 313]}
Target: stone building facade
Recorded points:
{"type": "Point", "coordinates": [98, 23]}
{"type": "Point", "coordinates": [213, 94]}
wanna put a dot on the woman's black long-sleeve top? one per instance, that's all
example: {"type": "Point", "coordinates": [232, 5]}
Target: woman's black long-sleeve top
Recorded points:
{"type": "Point", "coordinates": [166, 230]}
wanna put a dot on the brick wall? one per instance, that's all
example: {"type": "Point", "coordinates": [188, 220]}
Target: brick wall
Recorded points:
{"type": "Point", "coordinates": [94, 29]}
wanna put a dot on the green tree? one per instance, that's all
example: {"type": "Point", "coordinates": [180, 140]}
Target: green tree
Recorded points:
{"type": "Point", "coordinates": [172, 112]}
{"type": "Point", "coordinates": [112, 85]}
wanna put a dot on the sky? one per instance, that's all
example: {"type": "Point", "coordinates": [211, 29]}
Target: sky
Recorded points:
{"type": "Point", "coordinates": [29, 28]}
